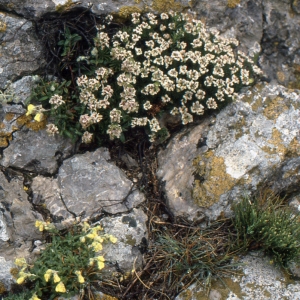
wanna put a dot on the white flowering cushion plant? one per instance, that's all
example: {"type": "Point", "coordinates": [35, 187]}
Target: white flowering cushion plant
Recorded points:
{"type": "Point", "coordinates": [168, 62]}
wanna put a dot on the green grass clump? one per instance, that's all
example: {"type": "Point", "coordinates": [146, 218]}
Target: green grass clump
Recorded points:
{"type": "Point", "coordinates": [267, 223]}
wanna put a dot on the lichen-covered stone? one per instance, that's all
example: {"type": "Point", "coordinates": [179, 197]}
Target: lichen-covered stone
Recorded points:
{"type": "Point", "coordinates": [21, 89]}
{"type": "Point", "coordinates": [17, 219]}
{"type": "Point", "coordinates": [20, 51]}
{"type": "Point", "coordinates": [251, 142]}
{"type": "Point", "coordinates": [259, 279]}
{"type": "Point", "coordinates": [6, 279]}
{"type": "Point", "coordinates": [130, 230]}
{"type": "Point", "coordinates": [22, 151]}
{"type": "Point", "coordinates": [86, 186]}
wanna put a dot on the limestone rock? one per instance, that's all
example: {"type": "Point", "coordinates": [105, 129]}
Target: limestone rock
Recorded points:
{"type": "Point", "coordinates": [243, 21]}
{"type": "Point", "coordinates": [87, 185]}
{"type": "Point", "coordinates": [259, 280]}
{"type": "Point", "coordinates": [9, 116]}
{"type": "Point", "coordinates": [17, 220]}
{"type": "Point", "coordinates": [20, 90]}
{"type": "Point", "coordinates": [36, 151]}
{"type": "Point", "coordinates": [20, 51]}
{"type": "Point", "coordinates": [251, 142]}
{"type": "Point", "coordinates": [130, 230]}
{"type": "Point", "coordinates": [6, 279]}
{"type": "Point", "coordinates": [280, 42]}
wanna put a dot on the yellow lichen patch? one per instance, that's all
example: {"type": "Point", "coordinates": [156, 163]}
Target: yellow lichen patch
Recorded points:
{"type": "Point", "coordinates": [214, 181]}
{"type": "Point", "coordinates": [2, 125]}
{"type": "Point", "coordinates": [36, 126]}
{"type": "Point", "coordinates": [257, 104]}
{"type": "Point", "coordinates": [166, 5]}
{"type": "Point", "coordinates": [2, 26]}
{"type": "Point", "coordinates": [3, 142]}
{"type": "Point", "coordinates": [126, 11]}
{"type": "Point", "coordinates": [27, 121]}
{"type": "Point", "coordinates": [291, 173]}
{"type": "Point", "coordinates": [64, 7]}
{"type": "Point", "coordinates": [278, 147]}
{"type": "Point", "coordinates": [295, 84]}
{"type": "Point", "coordinates": [14, 272]}
{"type": "Point", "coordinates": [2, 288]}
{"type": "Point", "coordinates": [293, 149]}
{"type": "Point", "coordinates": [275, 107]}
{"type": "Point", "coordinates": [9, 116]}
{"type": "Point", "coordinates": [233, 3]}
{"type": "Point", "coordinates": [280, 76]}
{"type": "Point", "coordinates": [22, 120]}
{"type": "Point", "coordinates": [5, 136]}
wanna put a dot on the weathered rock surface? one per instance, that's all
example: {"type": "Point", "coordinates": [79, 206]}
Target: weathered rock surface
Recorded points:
{"type": "Point", "coordinates": [260, 280]}
{"type": "Point", "coordinates": [251, 142]}
{"type": "Point", "coordinates": [36, 151]}
{"type": "Point", "coordinates": [20, 90]}
{"type": "Point", "coordinates": [9, 116]}
{"type": "Point", "coordinates": [21, 52]}
{"type": "Point", "coordinates": [87, 185]}
{"type": "Point", "coordinates": [268, 27]}
{"type": "Point", "coordinates": [130, 230]}
{"type": "Point", "coordinates": [17, 219]}
{"type": "Point", "coordinates": [6, 279]}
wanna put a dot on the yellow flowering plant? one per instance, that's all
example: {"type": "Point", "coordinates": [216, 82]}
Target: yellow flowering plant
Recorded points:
{"type": "Point", "coordinates": [72, 262]}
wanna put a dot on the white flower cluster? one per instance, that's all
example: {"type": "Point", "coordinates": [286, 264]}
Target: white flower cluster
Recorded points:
{"type": "Point", "coordinates": [167, 61]}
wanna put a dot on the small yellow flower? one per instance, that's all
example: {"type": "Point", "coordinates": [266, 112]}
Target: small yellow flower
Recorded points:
{"type": "Point", "coordinates": [34, 297]}
{"type": "Point", "coordinates": [82, 239]}
{"type": "Point", "coordinates": [39, 117]}
{"type": "Point", "coordinates": [98, 239]}
{"type": "Point", "coordinates": [25, 188]}
{"type": "Point", "coordinates": [20, 280]}
{"type": "Point", "coordinates": [47, 275]}
{"type": "Point", "coordinates": [60, 288]}
{"type": "Point", "coordinates": [20, 262]}
{"type": "Point", "coordinates": [80, 277]}
{"type": "Point", "coordinates": [39, 225]}
{"type": "Point", "coordinates": [100, 262]}
{"type": "Point", "coordinates": [92, 235]}
{"type": "Point", "coordinates": [56, 278]}
{"type": "Point", "coordinates": [97, 246]}
{"type": "Point", "coordinates": [100, 265]}
{"type": "Point", "coordinates": [85, 226]}
{"type": "Point", "coordinates": [30, 109]}
{"type": "Point", "coordinates": [113, 239]}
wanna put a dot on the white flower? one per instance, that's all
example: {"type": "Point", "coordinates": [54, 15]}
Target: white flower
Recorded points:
{"type": "Point", "coordinates": [147, 105]}
{"type": "Point", "coordinates": [115, 115]}
{"type": "Point", "coordinates": [197, 108]}
{"type": "Point", "coordinates": [211, 103]}
{"type": "Point", "coordinates": [154, 125]}
{"type": "Point", "coordinates": [114, 131]}
{"type": "Point", "coordinates": [186, 118]}
{"type": "Point", "coordinates": [56, 100]}
{"type": "Point", "coordinates": [87, 137]}
{"type": "Point", "coordinates": [138, 51]}
{"type": "Point", "coordinates": [165, 99]}
{"type": "Point", "coordinates": [51, 129]}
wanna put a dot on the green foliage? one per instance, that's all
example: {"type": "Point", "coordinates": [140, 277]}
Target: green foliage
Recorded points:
{"type": "Point", "coordinates": [69, 265]}
{"type": "Point", "coordinates": [19, 296]}
{"type": "Point", "coordinates": [158, 63]}
{"type": "Point", "coordinates": [68, 42]}
{"type": "Point", "coordinates": [266, 223]}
